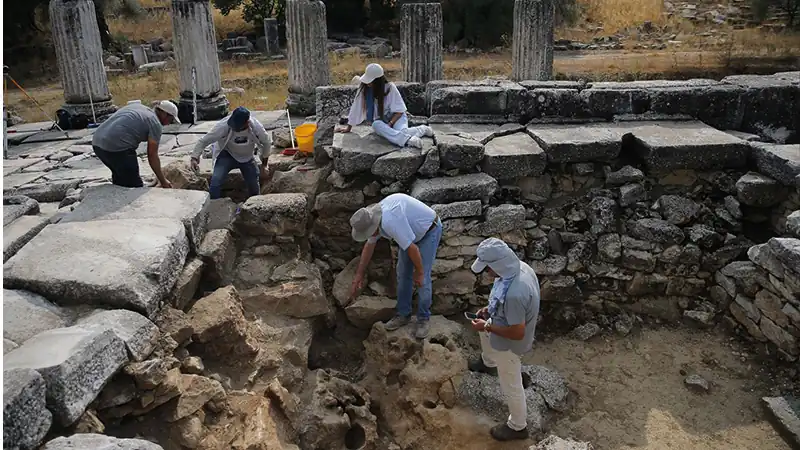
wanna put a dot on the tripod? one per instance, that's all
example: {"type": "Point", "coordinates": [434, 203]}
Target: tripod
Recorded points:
{"type": "Point", "coordinates": [6, 78]}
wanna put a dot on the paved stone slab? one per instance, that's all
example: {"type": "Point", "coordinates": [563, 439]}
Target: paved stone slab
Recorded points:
{"type": "Point", "coordinates": [129, 263]}
{"type": "Point", "coordinates": [358, 150]}
{"type": "Point", "coordinates": [579, 143]}
{"type": "Point", "coordinates": [109, 202]}
{"type": "Point", "coordinates": [457, 152]}
{"type": "Point", "coordinates": [15, 206]}
{"type": "Point", "coordinates": [512, 156]}
{"type": "Point", "coordinates": [688, 145]}
{"type": "Point", "coordinates": [475, 131]}
{"type": "Point", "coordinates": [48, 191]}
{"type": "Point", "coordinates": [31, 127]}
{"type": "Point", "coordinates": [20, 232]}
{"type": "Point", "coordinates": [16, 180]}
{"type": "Point", "coordinates": [54, 135]}
{"type": "Point", "coordinates": [26, 314]}
{"type": "Point", "coordinates": [454, 189]}
{"type": "Point", "coordinates": [90, 441]}
{"type": "Point", "coordinates": [137, 332]}
{"type": "Point", "coordinates": [781, 162]}
{"type": "Point", "coordinates": [75, 363]}
{"type": "Point", "coordinates": [785, 412]}
{"type": "Point", "coordinates": [26, 419]}
{"type": "Point", "coordinates": [17, 165]}
{"type": "Point", "coordinates": [399, 165]}
{"type": "Point", "coordinates": [39, 149]}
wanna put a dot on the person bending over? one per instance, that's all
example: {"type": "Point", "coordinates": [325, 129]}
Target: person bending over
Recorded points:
{"type": "Point", "coordinates": [417, 230]}
{"type": "Point", "coordinates": [379, 102]}
{"type": "Point", "coordinates": [115, 141]}
{"type": "Point", "coordinates": [234, 143]}
{"type": "Point", "coordinates": [506, 328]}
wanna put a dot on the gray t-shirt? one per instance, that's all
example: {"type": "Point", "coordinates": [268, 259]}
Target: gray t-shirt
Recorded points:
{"type": "Point", "coordinates": [521, 306]}
{"type": "Point", "coordinates": [127, 128]}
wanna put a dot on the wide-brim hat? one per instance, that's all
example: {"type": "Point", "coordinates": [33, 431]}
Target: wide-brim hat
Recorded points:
{"type": "Point", "coordinates": [365, 222]}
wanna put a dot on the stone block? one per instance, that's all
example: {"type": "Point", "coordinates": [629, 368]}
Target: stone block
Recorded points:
{"type": "Point", "coordinates": [218, 252]}
{"type": "Point", "coordinates": [483, 393]}
{"type": "Point", "coordinates": [477, 186]}
{"type": "Point", "coordinates": [455, 210]}
{"type": "Point", "coordinates": [401, 164]}
{"type": "Point", "coordinates": [109, 202]}
{"type": "Point", "coordinates": [339, 201]}
{"type": "Point", "coordinates": [557, 102]}
{"type": "Point", "coordinates": [91, 441]}
{"type": "Point", "coordinates": [299, 180]}
{"type": "Point", "coordinates": [459, 282]}
{"type": "Point", "coordinates": [274, 214]}
{"type": "Point", "coordinates": [186, 286]}
{"type": "Point", "coordinates": [300, 298]}
{"type": "Point", "coordinates": [687, 145]}
{"type": "Point", "coordinates": [512, 156]}
{"type": "Point", "coordinates": [139, 334]}
{"type": "Point", "coordinates": [20, 232]}
{"type": "Point", "coordinates": [414, 97]}
{"type": "Point", "coordinates": [469, 100]}
{"type": "Point", "coordinates": [75, 363]}
{"type": "Point", "coordinates": [781, 162]}
{"type": "Point", "coordinates": [656, 230]}
{"type": "Point", "coordinates": [768, 103]}
{"type": "Point", "coordinates": [52, 191]}
{"type": "Point", "coordinates": [716, 104]}
{"type": "Point", "coordinates": [607, 100]}
{"type": "Point", "coordinates": [221, 212]}
{"type": "Point", "coordinates": [357, 151]}
{"type": "Point", "coordinates": [785, 414]}
{"type": "Point", "coordinates": [15, 206]}
{"type": "Point", "coordinates": [456, 152]}
{"type": "Point", "coordinates": [26, 314]}
{"type": "Point", "coordinates": [761, 191]}
{"type": "Point", "coordinates": [366, 310]}
{"type": "Point", "coordinates": [129, 263]}
{"type": "Point", "coordinates": [579, 143]}
{"type": "Point", "coordinates": [26, 419]}
{"type": "Point", "coordinates": [500, 219]}
{"type": "Point", "coordinates": [787, 250]}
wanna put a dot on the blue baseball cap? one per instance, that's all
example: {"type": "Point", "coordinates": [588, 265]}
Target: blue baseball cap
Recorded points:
{"type": "Point", "coordinates": [239, 118]}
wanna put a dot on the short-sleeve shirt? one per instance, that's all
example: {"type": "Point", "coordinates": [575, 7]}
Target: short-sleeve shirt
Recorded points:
{"type": "Point", "coordinates": [404, 220]}
{"type": "Point", "coordinates": [521, 305]}
{"type": "Point", "coordinates": [127, 128]}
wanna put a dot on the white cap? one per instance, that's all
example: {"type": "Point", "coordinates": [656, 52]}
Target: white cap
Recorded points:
{"type": "Point", "coordinates": [373, 71]}
{"type": "Point", "coordinates": [169, 108]}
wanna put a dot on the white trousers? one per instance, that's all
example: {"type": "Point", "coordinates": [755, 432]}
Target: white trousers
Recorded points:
{"type": "Point", "coordinates": [400, 133]}
{"type": "Point", "coordinates": [509, 372]}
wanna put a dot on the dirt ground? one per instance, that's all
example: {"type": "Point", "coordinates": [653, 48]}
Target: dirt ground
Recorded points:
{"type": "Point", "coordinates": [630, 392]}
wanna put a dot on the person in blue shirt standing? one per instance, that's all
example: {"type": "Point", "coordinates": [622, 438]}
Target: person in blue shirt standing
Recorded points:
{"type": "Point", "coordinates": [417, 230]}
{"type": "Point", "coordinates": [506, 328]}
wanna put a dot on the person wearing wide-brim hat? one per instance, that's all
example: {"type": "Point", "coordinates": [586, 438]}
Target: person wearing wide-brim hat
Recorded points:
{"type": "Point", "coordinates": [417, 230]}
{"type": "Point", "coordinates": [379, 103]}
{"type": "Point", "coordinates": [506, 328]}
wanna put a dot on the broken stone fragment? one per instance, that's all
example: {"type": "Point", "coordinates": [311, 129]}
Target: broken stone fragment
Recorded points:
{"type": "Point", "coordinates": [151, 373]}
{"type": "Point", "coordinates": [586, 331]}
{"type": "Point", "coordinates": [755, 189]}
{"type": "Point", "coordinates": [677, 210]}
{"type": "Point", "coordinates": [196, 391]}
{"type": "Point", "coordinates": [219, 324]}
{"type": "Point", "coordinates": [553, 442]}
{"type": "Point", "coordinates": [602, 213]}
{"type": "Point", "coordinates": [175, 323]}
{"type": "Point", "coordinates": [624, 175]}
{"type": "Point", "coordinates": [99, 441]}
{"type": "Point", "coordinates": [656, 230]}
{"type": "Point", "coordinates": [186, 286]}
{"type": "Point", "coordinates": [89, 423]}
{"type": "Point", "coordinates": [366, 310]}
{"type": "Point", "coordinates": [219, 255]}
{"type": "Point", "coordinates": [697, 383]}
{"type": "Point", "coordinates": [26, 419]}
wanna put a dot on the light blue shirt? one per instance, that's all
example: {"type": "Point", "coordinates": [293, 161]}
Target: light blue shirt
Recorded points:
{"type": "Point", "coordinates": [404, 220]}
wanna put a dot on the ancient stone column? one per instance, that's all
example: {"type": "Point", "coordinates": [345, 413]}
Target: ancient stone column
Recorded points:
{"type": "Point", "coordinates": [79, 53]}
{"type": "Point", "coordinates": [421, 42]}
{"type": "Point", "coordinates": [195, 45]}
{"type": "Point", "coordinates": [307, 48]}
{"type": "Point", "coordinates": [532, 45]}
{"type": "Point", "coordinates": [271, 35]}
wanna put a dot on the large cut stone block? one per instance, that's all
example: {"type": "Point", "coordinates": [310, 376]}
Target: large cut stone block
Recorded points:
{"type": "Point", "coordinates": [75, 362]}
{"type": "Point", "coordinates": [688, 145]}
{"type": "Point", "coordinates": [20, 232]}
{"type": "Point", "coordinates": [137, 332]}
{"type": "Point", "coordinates": [358, 150]}
{"type": "Point", "coordinates": [26, 314]}
{"type": "Point", "coordinates": [109, 202]}
{"type": "Point", "coordinates": [715, 104]}
{"type": "Point", "coordinates": [456, 152]}
{"type": "Point", "coordinates": [476, 186]}
{"type": "Point", "coordinates": [781, 162]}
{"type": "Point", "coordinates": [512, 156]}
{"type": "Point", "coordinates": [399, 165]}
{"type": "Point", "coordinates": [26, 419]}
{"type": "Point", "coordinates": [579, 143]}
{"type": "Point", "coordinates": [274, 214]}
{"type": "Point", "coordinates": [768, 103]}
{"type": "Point", "coordinates": [91, 441]}
{"type": "Point", "coordinates": [122, 263]}
{"type": "Point", "coordinates": [469, 100]}
{"type": "Point", "coordinates": [785, 413]}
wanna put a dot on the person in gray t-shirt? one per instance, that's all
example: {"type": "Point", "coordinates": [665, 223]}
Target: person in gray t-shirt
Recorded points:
{"type": "Point", "coordinates": [506, 328]}
{"type": "Point", "coordinates": [115, 141]}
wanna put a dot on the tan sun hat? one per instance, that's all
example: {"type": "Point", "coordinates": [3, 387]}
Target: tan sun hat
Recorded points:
{"type": "Point", "coordinates": [365, 222]}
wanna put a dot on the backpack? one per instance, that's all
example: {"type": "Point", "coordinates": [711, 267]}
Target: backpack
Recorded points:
{"type": "Point", "coordinates": [67, 121]}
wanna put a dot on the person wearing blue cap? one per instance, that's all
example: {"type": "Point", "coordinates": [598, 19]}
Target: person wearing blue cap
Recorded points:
{"type": "Point", "coordinates": [234, 141]}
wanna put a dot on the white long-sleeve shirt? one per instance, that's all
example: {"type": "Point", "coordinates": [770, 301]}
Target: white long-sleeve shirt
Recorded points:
{"type": "Point", "coordinates": [240, 144]}
{"type": "Point", "coordinates": [393, 103]}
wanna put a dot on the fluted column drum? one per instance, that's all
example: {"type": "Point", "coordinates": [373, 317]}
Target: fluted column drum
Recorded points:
{"type": "Point", "coordinates": [421, 42]}
{"type": "Point", "coordinates": [307, 48]}
{"type": "Point", "coordinates": [532, 44]}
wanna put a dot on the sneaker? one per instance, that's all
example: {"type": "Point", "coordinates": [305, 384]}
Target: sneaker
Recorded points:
{"type": "Point", "coordinates": [478, 366]}
{"type": "Point", "coordinates": [428, 131]}
{"type": "Point", "coordinates": [423, 327]}
{"type": "Point", "coordinates": [397, 322]}
{"type": "Point", "coordinates": [504, 433]}
{"type": "Point", "coordinates": [414, 142]}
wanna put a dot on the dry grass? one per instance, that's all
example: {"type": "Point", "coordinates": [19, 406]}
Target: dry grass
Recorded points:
{"type": "Point", "coordinates": [155, 24]}
{"type": "Point", "coordinates": [616, 15]}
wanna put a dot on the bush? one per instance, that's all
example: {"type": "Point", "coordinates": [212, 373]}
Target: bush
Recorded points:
{"type": "Point", "coordinates": [761, 8]}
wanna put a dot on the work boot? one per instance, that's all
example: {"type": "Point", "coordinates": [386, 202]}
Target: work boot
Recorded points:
{"type": "Point", "coordinates": [414, 142]}
{"type": "Point", "coordinates": [397, 322]}
{"type": "Point", "coordinates": [423, 327]}
{"type": "Point", "coordinates": [504, 433]}
{"type": "Point", "coordinates": [478, 366]}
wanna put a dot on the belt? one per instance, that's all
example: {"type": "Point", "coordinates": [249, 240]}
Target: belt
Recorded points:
{"type": "Point", "coordinates": [433, 225]}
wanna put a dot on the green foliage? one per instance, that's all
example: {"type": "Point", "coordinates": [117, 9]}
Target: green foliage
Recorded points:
{"type": "Point", "coordinates": [762, 8]}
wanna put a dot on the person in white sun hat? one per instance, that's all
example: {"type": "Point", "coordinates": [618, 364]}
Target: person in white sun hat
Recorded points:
{"type": "Point", "coordinates": [379, 103]}
{"type": "Point", "coordinates": [115, 141]}
{"type": "Point", "coordinates": [506, 328]}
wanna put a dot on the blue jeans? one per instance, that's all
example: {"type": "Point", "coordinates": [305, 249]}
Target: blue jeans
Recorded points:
{"type": "Point", "coordinates": [405, 276]}
{"type": "Point", "coordinates": [224, 164]}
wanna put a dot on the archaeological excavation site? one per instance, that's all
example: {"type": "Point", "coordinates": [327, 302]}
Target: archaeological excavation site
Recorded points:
{"type": "Point", "coordinates": [662, 219]}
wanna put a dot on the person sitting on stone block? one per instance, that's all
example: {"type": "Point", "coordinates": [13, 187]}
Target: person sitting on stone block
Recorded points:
{"type": "Point", "coordinates": [234, 141]}
{"type": "Point", "coordinates": [379, 102]}
{"type": "Point", "coordinates": [115, 141]}
{"type": "Point", "coordinates": [506, 328]}
{"type": "Point", "coordinates": [417, 230]}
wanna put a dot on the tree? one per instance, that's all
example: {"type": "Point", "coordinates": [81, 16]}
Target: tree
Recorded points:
{"type": "Point", "coordinates": [791, 8]}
